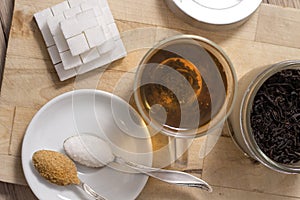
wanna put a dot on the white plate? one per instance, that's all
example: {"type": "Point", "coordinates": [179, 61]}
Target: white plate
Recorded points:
{"type": "Point", "coordinates": [95, 112]}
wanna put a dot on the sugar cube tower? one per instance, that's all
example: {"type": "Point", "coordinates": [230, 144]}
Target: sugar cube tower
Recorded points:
{"type": "Point", "coordinates": [80, 35]}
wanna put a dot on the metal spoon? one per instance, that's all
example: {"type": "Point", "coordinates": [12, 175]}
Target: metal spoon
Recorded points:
{"type": "Point", "coordinates": [79, 149]}
{"type": "Point", "coordinates": [58, 169]}
{"type": "Point", "coordinates": [90, 191]}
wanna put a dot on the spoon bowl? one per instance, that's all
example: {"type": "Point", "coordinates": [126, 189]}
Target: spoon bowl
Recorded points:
{"type": "Point", "coordinates": [60, 170]}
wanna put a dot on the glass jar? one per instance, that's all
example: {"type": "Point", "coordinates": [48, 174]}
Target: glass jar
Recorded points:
{"type": "Point", "coordinates": [239, 120]}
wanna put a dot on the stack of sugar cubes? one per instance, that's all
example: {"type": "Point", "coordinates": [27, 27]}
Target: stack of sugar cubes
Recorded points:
{"type": "Point", "coordinates": [80, 35]}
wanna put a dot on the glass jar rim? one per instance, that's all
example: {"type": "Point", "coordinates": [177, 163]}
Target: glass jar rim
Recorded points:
{"type": "Point", "coordinates": [245, 109]}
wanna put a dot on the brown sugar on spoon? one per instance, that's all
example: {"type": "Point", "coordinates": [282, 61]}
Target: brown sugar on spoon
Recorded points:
{"type": "Point", "coordinates": [60, 170]}
{"type": "Point", "coordinates": [55, 167]}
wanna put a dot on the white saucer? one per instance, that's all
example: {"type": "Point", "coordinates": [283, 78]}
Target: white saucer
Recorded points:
{"type": "Point", "coordinates": [95, 112]}
{"type": "Point", "coordinates": [214, 14]}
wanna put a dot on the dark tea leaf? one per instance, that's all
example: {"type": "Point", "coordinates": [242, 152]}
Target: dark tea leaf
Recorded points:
{"type": "Point", "coordinates": [275, 117]}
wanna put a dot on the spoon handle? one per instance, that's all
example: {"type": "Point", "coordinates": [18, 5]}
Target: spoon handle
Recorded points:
{"type": "Point", "coordinates": [90, 191]}
{"type": "Point", "coordinates": [169, 176]}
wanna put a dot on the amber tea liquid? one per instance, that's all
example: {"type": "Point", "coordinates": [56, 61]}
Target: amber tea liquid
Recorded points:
{"type": "Point", "coordinates": [183, 79]}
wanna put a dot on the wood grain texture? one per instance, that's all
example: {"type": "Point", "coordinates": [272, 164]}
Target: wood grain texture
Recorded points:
{"type": "Point", "coordinates": [19, 127]}
{"type": "Point", "coordinates": [285, 21]}
{"type": "Point", "coordinates": [284, 3]}
{"type": "Point", "coordinates": [156, 191]}
{"type": "Point", "coordinates": [2, 52]}
{"type": "Point", "coordinates": [228, 162]}
{"type": "Point", "coordinates": [153, 188]}
{"type": "Point", "coordinates": [6, 122]}
{"type": "Point", "coordinates": [15, 192]}
{"type": "Point", "coordinates": [15, 174]}
{"type": "Point", "coordinates": [6, 8]}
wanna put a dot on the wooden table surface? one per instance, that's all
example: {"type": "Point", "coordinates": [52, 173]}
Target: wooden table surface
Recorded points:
{"type": "Point", "coordinates": [10, 191]}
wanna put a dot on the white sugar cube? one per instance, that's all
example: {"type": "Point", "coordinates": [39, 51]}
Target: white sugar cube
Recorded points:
{"type": "Point", "coordinates": [74, 3]}
{"type": "Point", "coordinates": [86, 15]}
{"type": "Point", "coordinates": [41, 20]}
{"type": "Point", "coordinates": [60, 8]}
{"type": "Point", "coordinates": [98, 11]}
{"type": "Point", "coordinates": [53, 23]}
{"type": "Point", "coordinates": [107, 46]}
{"type": "Point", "coordinates": [91, 5]}
{"type": "Point", "coordinates": [78, 44]}
{"type": "Point", "coordinates": [108, 34]}
{"type": "Point", "coordinates": [89, 55]}
{"type": "Point", "coordinates": [108, 15]}
{"type": "Point", "coordinates": [54, 54]}
{"type": "Point", "coordinates": [119, 51]}
{"type": "Point", "coordinates": [106, 30]}
{"type": "Point", "coordinates": [64, 74]}
{"type": "Point", "coordinates": [89, 67]}
{"type": "Point", "coordinates": [102, 3]}
{"type": "Point", "coordinates": [69, 61]}
{"type": "Point", "coordinates": [94, 2]}
{"type": "Point", "coordinates": [60, 42]}
{"type": "Point", "coordinates": [87, 5]}
{"type": "Point", "coordinates": [80, 36]}
{"type": "Point", "coordinates": [72, 12]}
{"type": "Point", "coordinates": [41, 17]}
{"type": "Point", "coordinates": [95, 36]}
{"type": "Point", "coordinates": [92, 22]}
{"type": "Point", "coordinates": [102, 61]}
{"type": "Point", "coordinates": [87, 19]}
{"type": "Point", "coordinates": [114, 31]}
{"type": "Point", "coordinates": [70, 27]}
{"type": "Point", "coordinates": [48, 38]}
{"type": "Point", "coordinates": [101, 21]}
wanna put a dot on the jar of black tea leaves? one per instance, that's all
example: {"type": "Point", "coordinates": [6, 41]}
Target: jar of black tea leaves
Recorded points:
{"type": "Point", "coordinates": [265, 122]}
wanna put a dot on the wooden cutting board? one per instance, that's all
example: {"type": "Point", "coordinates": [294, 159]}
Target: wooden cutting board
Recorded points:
{"type": "Point", "coordinates": [271, 35]}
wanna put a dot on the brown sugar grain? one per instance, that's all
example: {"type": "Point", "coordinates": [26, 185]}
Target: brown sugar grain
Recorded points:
{"type": "Point", "coordinates": [55, 167]}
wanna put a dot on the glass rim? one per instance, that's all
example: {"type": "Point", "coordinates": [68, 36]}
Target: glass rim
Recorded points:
{"type": "Point", "coordinates": [228, 101]}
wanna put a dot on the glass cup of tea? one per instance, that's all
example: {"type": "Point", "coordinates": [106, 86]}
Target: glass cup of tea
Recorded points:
{"type": "Point", "coordinates": [185, 87]}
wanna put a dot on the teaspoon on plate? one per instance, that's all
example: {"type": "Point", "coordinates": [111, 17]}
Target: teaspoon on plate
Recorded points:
{"type": "Point", "coordinates": [60, 170]}
{"type": "Point", "coordinates": [78, 148]}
